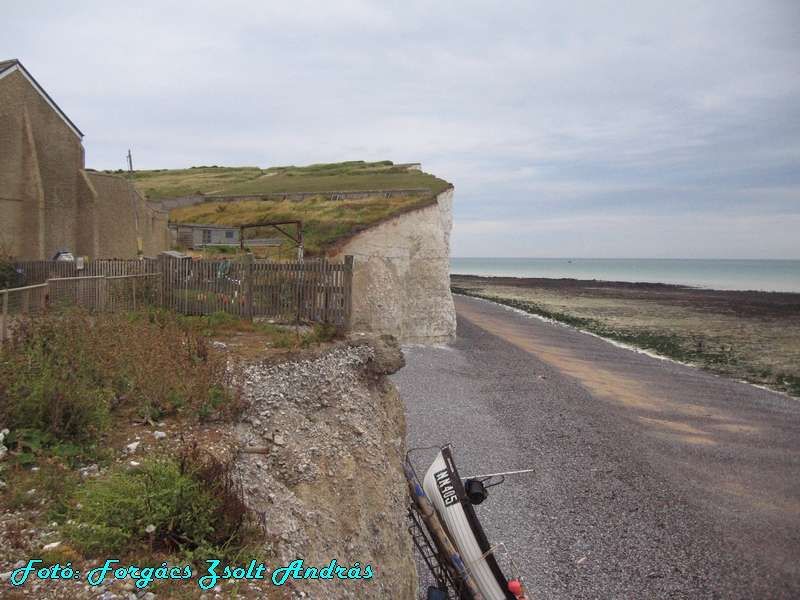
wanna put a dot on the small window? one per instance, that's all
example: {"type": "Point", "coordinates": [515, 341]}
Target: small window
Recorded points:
{"type": "Point", "coordinates": [229, 235]}
{"type": "Point", "coordinates": [206, 236]}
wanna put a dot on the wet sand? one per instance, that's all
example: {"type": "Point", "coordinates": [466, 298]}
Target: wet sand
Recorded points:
{"type": "Point", "coordinates": [748, 335]}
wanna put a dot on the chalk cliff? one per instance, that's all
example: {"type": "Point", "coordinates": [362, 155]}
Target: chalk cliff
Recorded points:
{"type": "Point", "coordinates": [401, 275]}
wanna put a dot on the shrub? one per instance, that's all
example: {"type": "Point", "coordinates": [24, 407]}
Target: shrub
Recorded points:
{"type": "Point", "coordinates": [7, 274]}
{"type": "Point", "coordinates": [168, 503]}
{"type": "Point", "coordinates": [64, 373]}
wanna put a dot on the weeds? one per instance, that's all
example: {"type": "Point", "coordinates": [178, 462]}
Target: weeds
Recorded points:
{"type": "Point", "coordinates": [171, 503]}
{"type": "Point", "coordinates": [7, 274]}
{"type": "Point", "coordinates": [51, 481]}
{"type": "Point", "coordinates": [64, 374]}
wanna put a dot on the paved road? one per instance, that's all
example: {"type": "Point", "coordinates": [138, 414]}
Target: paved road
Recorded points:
{"type": "Point", "coordinates": [653, 480]}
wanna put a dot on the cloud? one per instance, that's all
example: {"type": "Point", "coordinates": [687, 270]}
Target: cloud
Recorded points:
{"type": "Point", "coordinates": [603, 235]}
{"type": "Point", "coordinates": [531, 108]}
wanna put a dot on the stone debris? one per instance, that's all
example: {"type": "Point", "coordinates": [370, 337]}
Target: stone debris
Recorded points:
{"type": "Point", "coordinates": [331, 485]}
{"type": "Point", "coordinates": [318, 456]}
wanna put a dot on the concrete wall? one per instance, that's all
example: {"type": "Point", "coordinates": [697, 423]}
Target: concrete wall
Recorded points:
{"type": "Point", "coordinates": [401, 275]}
{"type": "Point", "coordinates": [47, 199]}
{"type": "Point", "coordinates": [39, 159]}
{"type": "Point", "coordinates": [117, 220]}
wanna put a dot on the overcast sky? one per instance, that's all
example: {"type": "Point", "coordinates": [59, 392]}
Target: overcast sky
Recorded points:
{"type": "Point", "coordinates": [613, 129]}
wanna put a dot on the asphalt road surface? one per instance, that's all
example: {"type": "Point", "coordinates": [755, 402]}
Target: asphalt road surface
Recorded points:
{"type": "Point", "coordinates": [653, 479]}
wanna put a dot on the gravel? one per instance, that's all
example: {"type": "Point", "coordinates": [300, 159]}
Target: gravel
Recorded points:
{"type": "Point", "coordinates": [612, 511]}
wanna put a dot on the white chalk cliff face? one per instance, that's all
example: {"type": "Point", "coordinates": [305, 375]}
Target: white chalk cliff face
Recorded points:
{"type": "Point", "coordinates": [401, 277]}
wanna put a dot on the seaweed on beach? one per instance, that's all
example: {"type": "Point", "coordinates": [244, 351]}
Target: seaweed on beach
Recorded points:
{"type": "Point", "coordinates": [694, 350]}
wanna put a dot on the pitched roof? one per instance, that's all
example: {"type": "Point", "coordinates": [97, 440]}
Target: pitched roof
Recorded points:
{"type": "Point", "coordinates": [9, 66]}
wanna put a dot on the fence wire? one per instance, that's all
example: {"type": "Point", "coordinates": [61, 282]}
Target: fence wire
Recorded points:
{"type": "Point", "coordinates": [18, 301]}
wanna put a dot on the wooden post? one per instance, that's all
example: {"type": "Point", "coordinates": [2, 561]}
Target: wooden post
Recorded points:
{"type": "Point", "coordinates": [248, 286]}
{"type": "Point", "coordinates": [162, 267]}
{"type": "Point", "coordinates": [347, 284]}
{"type": "Point", "coordinates": [5, 315]}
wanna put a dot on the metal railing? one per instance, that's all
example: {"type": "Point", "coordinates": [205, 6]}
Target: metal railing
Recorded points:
{"type": "Point", "coordinates": [18, 301]}
{"type": "Point", "coordinates": [109, 294]}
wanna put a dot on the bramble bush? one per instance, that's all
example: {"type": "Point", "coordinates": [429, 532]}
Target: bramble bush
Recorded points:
{"type": "Point", "coordinates": [64, 373]}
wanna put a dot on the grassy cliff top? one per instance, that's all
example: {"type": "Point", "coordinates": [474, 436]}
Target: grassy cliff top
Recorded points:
{"type": "Point", "coordinates": [235, 181]}
{"type": "Point", "coordinates": [325, 221]}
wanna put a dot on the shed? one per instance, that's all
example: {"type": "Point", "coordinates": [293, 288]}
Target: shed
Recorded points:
{"type": "Point", "coordinates": [192, 236]}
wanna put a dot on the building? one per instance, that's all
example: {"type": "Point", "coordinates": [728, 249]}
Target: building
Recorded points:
{"type": "Point", "coordinates": [192, 236]}
{"type": "Point", "coordinates": [48, 200]}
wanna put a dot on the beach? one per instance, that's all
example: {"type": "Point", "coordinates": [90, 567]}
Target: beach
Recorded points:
{"type": "Point", "coordinates": [748, 335]}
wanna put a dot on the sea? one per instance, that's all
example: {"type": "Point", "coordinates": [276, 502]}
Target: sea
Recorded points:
{"type": "Point", "coordinates": [762, 275]}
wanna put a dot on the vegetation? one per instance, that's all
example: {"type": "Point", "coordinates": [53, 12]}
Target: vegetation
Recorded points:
{"type": "Point", "coordinates": [168, 503]}
{"type": "Point", "coordinates": [325, 221]}
{"type": "Point", "coordinates": [6, 270]}
{"type": "Point", "coordinates": [72, 383]}
{"type": "Point", "coordinates": [65, 373]}
{"type": "Point", "coordinates": [233, 181]}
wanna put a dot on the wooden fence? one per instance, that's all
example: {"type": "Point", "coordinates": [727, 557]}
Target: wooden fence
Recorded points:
{"type": "Point", "coordinates": [316, 290]}
{"type": "Point", "coordinates": [111, 294]}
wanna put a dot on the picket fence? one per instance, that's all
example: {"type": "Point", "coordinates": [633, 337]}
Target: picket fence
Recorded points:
{"type": "Point", "coordinates": [311, 291]}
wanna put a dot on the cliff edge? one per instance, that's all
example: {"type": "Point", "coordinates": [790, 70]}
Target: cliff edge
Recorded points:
{"type": "Point", "coordinates": [330, 485]}
{"type": "Point", "coordinates": [401, 275]}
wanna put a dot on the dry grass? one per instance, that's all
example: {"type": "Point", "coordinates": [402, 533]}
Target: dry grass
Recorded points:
{"type": "Point", "coordinates": [353, 175]}
{"type": "Point", "coordinates": [324, 221]}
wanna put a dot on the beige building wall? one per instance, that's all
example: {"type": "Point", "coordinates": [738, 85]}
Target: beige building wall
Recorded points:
{"type": "Point", "coordinates": [401, 275]}
{"type": "Point", "coordinates": [39, 157]}
{"type": "Point", "coordinates": [117, 212]}
{"type": "Point", "coordinates": [47, 199]}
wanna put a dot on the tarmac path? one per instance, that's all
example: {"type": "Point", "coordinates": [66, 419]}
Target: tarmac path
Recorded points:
{"type": "Point", "coordinates": [653, 479]}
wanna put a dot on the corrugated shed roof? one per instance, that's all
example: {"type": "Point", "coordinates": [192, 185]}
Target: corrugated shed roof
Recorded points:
{"type": "Point", "coordinates": [9, 66]}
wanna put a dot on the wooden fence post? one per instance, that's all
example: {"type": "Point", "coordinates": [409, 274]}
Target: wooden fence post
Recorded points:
{"type": "Point", "coordinates": [5, 315]}
{"type": "Point", "coordinates": [162, 267]}
{"type": "Point", "coordinates": [347, 281]}
{"type": "Point", "coordinates": [248, 286]}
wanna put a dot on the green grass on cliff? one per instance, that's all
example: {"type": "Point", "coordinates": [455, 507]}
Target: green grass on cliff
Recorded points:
{"type": "Point", "coordinates": [325, 221]}
{"type": "Point", "coordinates": [233, 181]}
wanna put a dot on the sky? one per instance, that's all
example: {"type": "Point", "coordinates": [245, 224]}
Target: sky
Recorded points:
{"type": "Point", "coordinates": [595, 129]}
